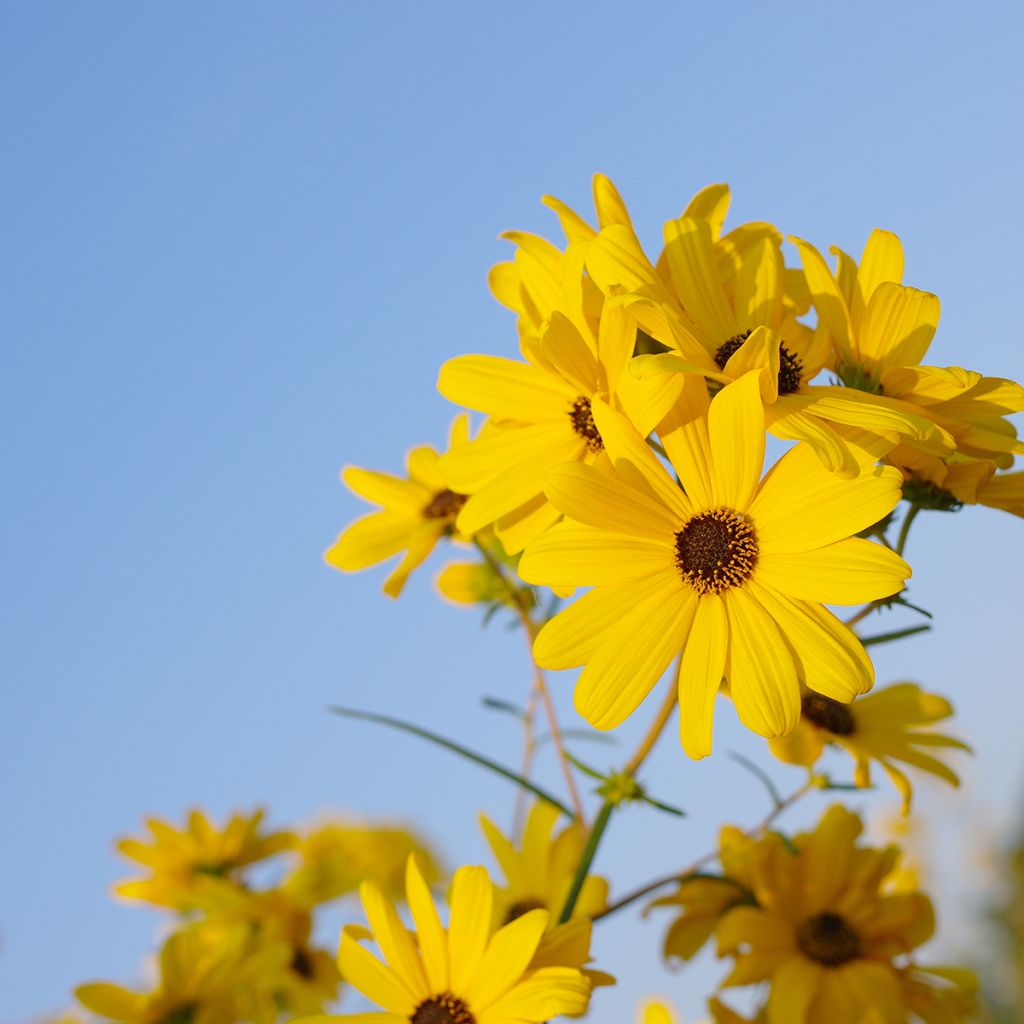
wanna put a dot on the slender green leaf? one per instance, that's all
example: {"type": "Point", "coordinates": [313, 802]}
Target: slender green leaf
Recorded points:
{"type": "Point", "coordinates": [456, 748]}
{"type": "Point", "coordinates": [897, 634]}
{"type": "Point", "coordinates": [760, 775]}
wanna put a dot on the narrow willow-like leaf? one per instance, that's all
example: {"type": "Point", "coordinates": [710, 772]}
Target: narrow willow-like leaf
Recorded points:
{"type": "Point", "coordinates": [898, 634]}
{"type": "Point", "coordinates": [758, 774]}
{"type": "Point", "coordinates": [456, 748]}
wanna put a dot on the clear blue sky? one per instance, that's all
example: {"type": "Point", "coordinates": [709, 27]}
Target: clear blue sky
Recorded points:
{"type": "Point", "coordinates": [238, 240]}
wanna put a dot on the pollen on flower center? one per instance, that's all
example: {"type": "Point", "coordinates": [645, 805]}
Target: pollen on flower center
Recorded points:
{"type": "Point", "coordinates": [791, 368]}
{"type": "Point", "coordinates": [716, 550]}
{"type": "Point", "coordinates": [523, 906]}
{"type": "Point", "coordinates": [442, 1009]}
{"type": "Point", "coordinates": [582, 418]}
{"type": "Point", "coordinates": [829, 714]}
{"type": "Point", "coordinates": [444, 504]}
{"type": "Point", "coordinates": [828, 939]}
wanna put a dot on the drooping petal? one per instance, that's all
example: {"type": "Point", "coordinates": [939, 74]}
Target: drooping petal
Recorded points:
{"type": "Point", "coordinates": [700, 675]}
{"type": "Point", "coordinates": [794, 986]}
{"type": "Point", "coordinates": [421, 543]}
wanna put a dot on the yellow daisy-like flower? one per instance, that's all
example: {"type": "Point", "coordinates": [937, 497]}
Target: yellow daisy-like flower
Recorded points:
{"type": "Point", "coordinates": [888, 726]}
{"type": "Point", "coordinates": [881, 330]}
{"type": "Point", "coordinates": [703, 900]}
{"type": "Point", "coordinates": [540, 416]}
{"type": "Point", "coordinates": [415, 513]}
{"type": "Point", "coordinates": [539, 873]}
{"type": "Point", "coordinates": [186, 863]}
{"type": "Point", "coordinates": [824, 933]}
{"type": "Point", "coordinates": [729, 571]}
{"type": "Point", "coordinates": [206, 977]}
{"type": "Point", "coordinates": [467, 973]}
{"type": "Point", "coordinates": [654, 1011]}
{"type": "Point", "coordinates": [728, 305]}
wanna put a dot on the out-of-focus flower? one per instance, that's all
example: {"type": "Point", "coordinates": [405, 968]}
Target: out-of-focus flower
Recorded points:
{"type": "Point", "coordinates": [887, 726]}
{"type": "Point", "coordinates": [539, 873]}
{"type": "Point", "coordinates": [188, 864]}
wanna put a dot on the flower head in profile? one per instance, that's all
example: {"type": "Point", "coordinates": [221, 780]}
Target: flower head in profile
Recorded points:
{"type": "Point", "coordinates": [186, 865]}
{"type": "Point", "coordinates": [539, 872]}
{"type": "Point", "coordinates": [415, 513]}
{"type": "Point", "coordinates": [469, 972]}
{"type": "Point", "coordinates": [205, 977]}
{"type": "Point", "coordinates": [881, 331]}
{"type": "Point", "coordinates": [729, 572]}
{"type": "Point", "coordinates": [891, 726]}
{"type": "Point", "coordinates": [826, 934]}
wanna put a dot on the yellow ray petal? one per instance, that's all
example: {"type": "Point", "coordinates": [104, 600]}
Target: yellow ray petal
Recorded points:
{"type": "Point", "coordinates": [711, 203]}
{"type": "Point", "coordinates": [759, 352]}
{"type": "Point", "coordinates": [635, 653]}
{"type": "Point", "coordinates": [394, 940]}
{"type": "Point", "coordinates": [828, 301]}
{"type": "Point", "coordinates": [736, 434]}
{"type": "Point", "coordinates": [562, 346]}
{"type": "Point", "coordinates": [378, 983]}
{"type": "Point", "coordinates": [794, 986]}
{"type": "Point", "coordinates": [689, 249]}
{"type": "Point", "coordinates": [759, 287]}
{"type": "Point", "coordinates": [432, 939]}
{"type": "Point", "coordinates": [610, 206]}
{"type": "Point", "coordinates": [504, 388]}
{"type": "Point", "coordinates": [386, 490]}
{"type": "Point", "coordinates": [541, 995]}
{"type": "Point", "coordinates": [851, 571]}
{"type": "Point", "coordinates": [831, 450]}
{"type": "Point", "coordinates": [761, 673]}
{"type": "Point", "coordinates": [370, 540]}
{"type": "Point", "coordinates": [801, 506]}
{"type": "Point", "coordinates": [421, 543]}
{"type": "Point", "coordinates": [588, 496]}
{"type": "Point", "coordinates": [508, 955]}
{"type": "Point", "coordinates": [882, 260]}
{"type": "Point", "coordinates": [470, 924]}
{"type": "Point", "coordinates": [898, 326]}
{"type": "Point", "coordinates": [830, 658]}
{"type": "Point", "coordinates": [684, 433]}
{"type": "Point", "coordinates": [700, 675]}
{"type": "Point", "coordinates": [570, 555]}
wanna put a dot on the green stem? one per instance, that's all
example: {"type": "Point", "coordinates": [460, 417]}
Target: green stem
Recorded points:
{"type": "Point", "coordinates": [593, 841]}
{"type": "Point", "coordinates": [908, 519]}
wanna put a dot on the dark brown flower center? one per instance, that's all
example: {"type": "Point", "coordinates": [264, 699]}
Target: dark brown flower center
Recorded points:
{"type": "Point", "coordinates": [828, 939]}
{"type": "Point", "coordinates": [829, 714]}
{"type": "Point", "coordinates": [520, 907]}
{"type": "Point", "coordinates": [716, 550]}
{"type": "Point", "coordinates": [302, 964]}
{"type": "Point", "coordinates": [791, 368]}
{"type": "Point", "coordinates": [444, 505]}
{"type": "Point", "coordinates": [442, 1009]}
{"type": "Point", "coordinates": [582, 418]}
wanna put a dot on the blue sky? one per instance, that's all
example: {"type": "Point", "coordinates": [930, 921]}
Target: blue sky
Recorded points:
{"type": "Point", "coordinates": [238, 241]}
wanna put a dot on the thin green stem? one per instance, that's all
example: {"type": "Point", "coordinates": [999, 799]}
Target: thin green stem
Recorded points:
{"type": "Point", "coordinates": [908, 519]}
{"type": "Point", "coordinates": [587, 858]}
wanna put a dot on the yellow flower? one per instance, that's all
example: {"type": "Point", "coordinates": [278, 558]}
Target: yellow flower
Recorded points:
{"type": "Point", "coordinates": [540, 416]}
{"type": "Point", "coordinates": [480, 582]}
{"type": "Point", "coordinates": [890, 725]}
{"type": "Point", "coordinates": [704, 899]}
{"type": "Point", "coordinates": [335, 857]}
{"type": "Point", "coordinates": [881, 330]}
{"type": "Point", "coordinates": [727, 305]}
{"type": "Point", "coordinates": [824, 933]}
{"type": "Point", "coordinates": [654, 1011]}
{"type": "Point", "coordinates": [415, 514]}
{"type": "Point", "coordinates": [189, 863]}
{"type": "Point", "coordinates": [206, 977]}
{"type": "Point", "coordinates": [467, 973]}
{"type": "Point", "coordinates": [539, 874]}
{"type": "Point", "coordinates": [732, 574]}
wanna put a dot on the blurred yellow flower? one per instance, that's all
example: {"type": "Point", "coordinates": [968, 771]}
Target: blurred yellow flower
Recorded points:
{"type": "Point", "coordinates": [539, 873]}
{"type": "Point", "coordinates": [205, 977]}
{"type": "Point", "coordinates": [824, 932]}
{"type": "Point", "coordinates": [467, 973]}
{"type": "Point", "coordinates": [188, 863]}
{"type": "Point", "coordinates": [729, 571]}
{"type": "Point", "coordinates": [416, 512]}
{"type": "Point", "coordinates": [889, 725]}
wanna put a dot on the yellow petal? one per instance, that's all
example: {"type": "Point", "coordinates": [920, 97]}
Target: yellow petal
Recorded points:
{"type": "Point", "coordinates": [736, 433]}
{"type": "Point", "coordinates": [540, 996]}
{"type": "Point", "coordinates": [882, 260]}
{"type": "Point", "coordinates": [635, 653]}
{"type": "Point", "coordinates": [684, 433]}
{"type": "Point", "coordinates": [759, 287]}
{"type": "Point", "coordinates": [111, 1001]}
{"type": "Point", "coordinates": [711, 203]}
{"type": "Point", "coordinates": [507, 958]}
{"type": "Point", "coordinates": [370, 540]}
{"type": "Point", "coordinates": [394, 940]}
{"type": "Point", "coordinates": [470, 924]}
{"type": "Point", "coordinates": [386, 490]}
{"type": "Point", "coordinates": [794, 986]}
{"type": "Point", "coordinates": [759, 352]}
{"type": "Point", "coordinates": [689, 249]}
{"type": "Point", "coordinates": [504, 388]}
{"type": "Point", "coordinates": [801, 506]}
{"type": "Point", "coordinates": [421, 543]}
{"type": "Point", "coordinates": [378, 983]}
{"type": "Point", "coordinates": [568, 353]}
{"type": "Point", "coordinates": [761, 673]}
{"type": "Point", "coordinates": [851, 571]}
{"type": "Point", "coordinates": [610, 206]}
{"type": "Point", "coordinates": [828, 301]}
{"type": "Point", "coordinates": [898, 326]}
{"type": "Point", "coordinates": [700, 675]}
{"type": "Point", "coordinates": [596, 499]}
{"type": "Point", "coordinates": [432, 939]}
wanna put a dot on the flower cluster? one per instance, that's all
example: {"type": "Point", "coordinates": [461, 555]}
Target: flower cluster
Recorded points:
{"type": "Point", "coordinates": [239, 951]}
